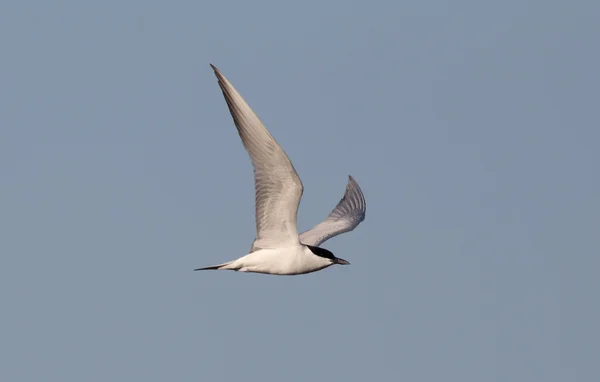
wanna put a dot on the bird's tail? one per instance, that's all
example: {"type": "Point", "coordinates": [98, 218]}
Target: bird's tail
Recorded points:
{"type": "Point", "coordinates": [214, 267]}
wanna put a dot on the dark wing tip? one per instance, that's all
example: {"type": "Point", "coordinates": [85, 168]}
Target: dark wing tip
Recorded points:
{"type": "Point", "coordinates": [352, 180]}
{"type": "Point", "coordinates": [217, 72]}
{"type": "Point", "coordinates": [222, 84]}
{"type": "Point", "coordinates": [355, 194]}
{"type": "Point", "coordinates": [353, 185]}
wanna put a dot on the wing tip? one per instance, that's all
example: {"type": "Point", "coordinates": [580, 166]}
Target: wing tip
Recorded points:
{"type": "Point", "coordinates": [356, 193]}
{"type": "Point", "coordinates": [352, 183]}
{"type": "Point", "coordinates": [217, 72]}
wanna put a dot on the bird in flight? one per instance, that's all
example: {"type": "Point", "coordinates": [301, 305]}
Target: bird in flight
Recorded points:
{"type": "Point", "coordinates": [277, 248]}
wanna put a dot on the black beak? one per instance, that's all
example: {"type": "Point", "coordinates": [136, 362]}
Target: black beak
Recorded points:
{"type": "Point", "coordinates": [339, 261]}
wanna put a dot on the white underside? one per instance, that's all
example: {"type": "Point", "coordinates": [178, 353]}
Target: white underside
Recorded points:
{"type": "Point", "coordinates": [281, 261]}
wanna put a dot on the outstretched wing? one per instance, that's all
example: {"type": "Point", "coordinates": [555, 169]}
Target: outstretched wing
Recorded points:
{"type": "Point", "coordinates": [346, 216]}
{"type": "Point", "coordinates": [277, 185]}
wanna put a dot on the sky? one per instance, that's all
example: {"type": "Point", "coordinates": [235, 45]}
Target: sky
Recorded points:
{"type": "Point", "coordinates": [471, 126]}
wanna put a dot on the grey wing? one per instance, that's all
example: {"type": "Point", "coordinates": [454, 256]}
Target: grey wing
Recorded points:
{"type": "Point", "coordinates": [278, 188]}
{"type": "Point", "coordinates": [346, 216]}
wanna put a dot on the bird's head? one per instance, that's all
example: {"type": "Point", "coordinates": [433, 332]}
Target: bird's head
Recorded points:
{"type": "Point", "coordinates": [322, 252]}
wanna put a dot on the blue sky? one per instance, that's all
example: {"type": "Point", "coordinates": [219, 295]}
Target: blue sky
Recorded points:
{"type": "Point", "coordinates": [471, 126]}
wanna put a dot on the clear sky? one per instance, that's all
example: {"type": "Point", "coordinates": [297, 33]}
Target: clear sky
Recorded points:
{"type": "Point", "coordinates": [471, 126]}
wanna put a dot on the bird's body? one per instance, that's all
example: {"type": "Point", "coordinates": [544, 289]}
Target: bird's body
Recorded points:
{"type": "Point", "coordinates": [294, 260]}
{"type": "Point", "coordinates": [278, 249]}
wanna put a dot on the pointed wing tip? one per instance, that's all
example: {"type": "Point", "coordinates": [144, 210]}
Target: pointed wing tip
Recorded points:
{"type": "Point", "coordinates": [352, 183]}
{"type": "Point", "coordinates": [217, 71]}
{"type": "Point", "coordinates": [223, 83]}
{"type": "Point", "coordinates": [353, 191]}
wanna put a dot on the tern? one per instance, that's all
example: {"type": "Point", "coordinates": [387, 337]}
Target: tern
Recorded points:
{"type": "Point", "coordinates": [278, 249]}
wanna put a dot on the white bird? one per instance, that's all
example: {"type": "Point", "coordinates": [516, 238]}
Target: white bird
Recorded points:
{"type": "Point", "coordinates": [278, 249]}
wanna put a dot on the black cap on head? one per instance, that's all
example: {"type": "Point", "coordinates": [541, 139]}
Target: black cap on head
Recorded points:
{"type": "Point", "coordinates": [322, 252]}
